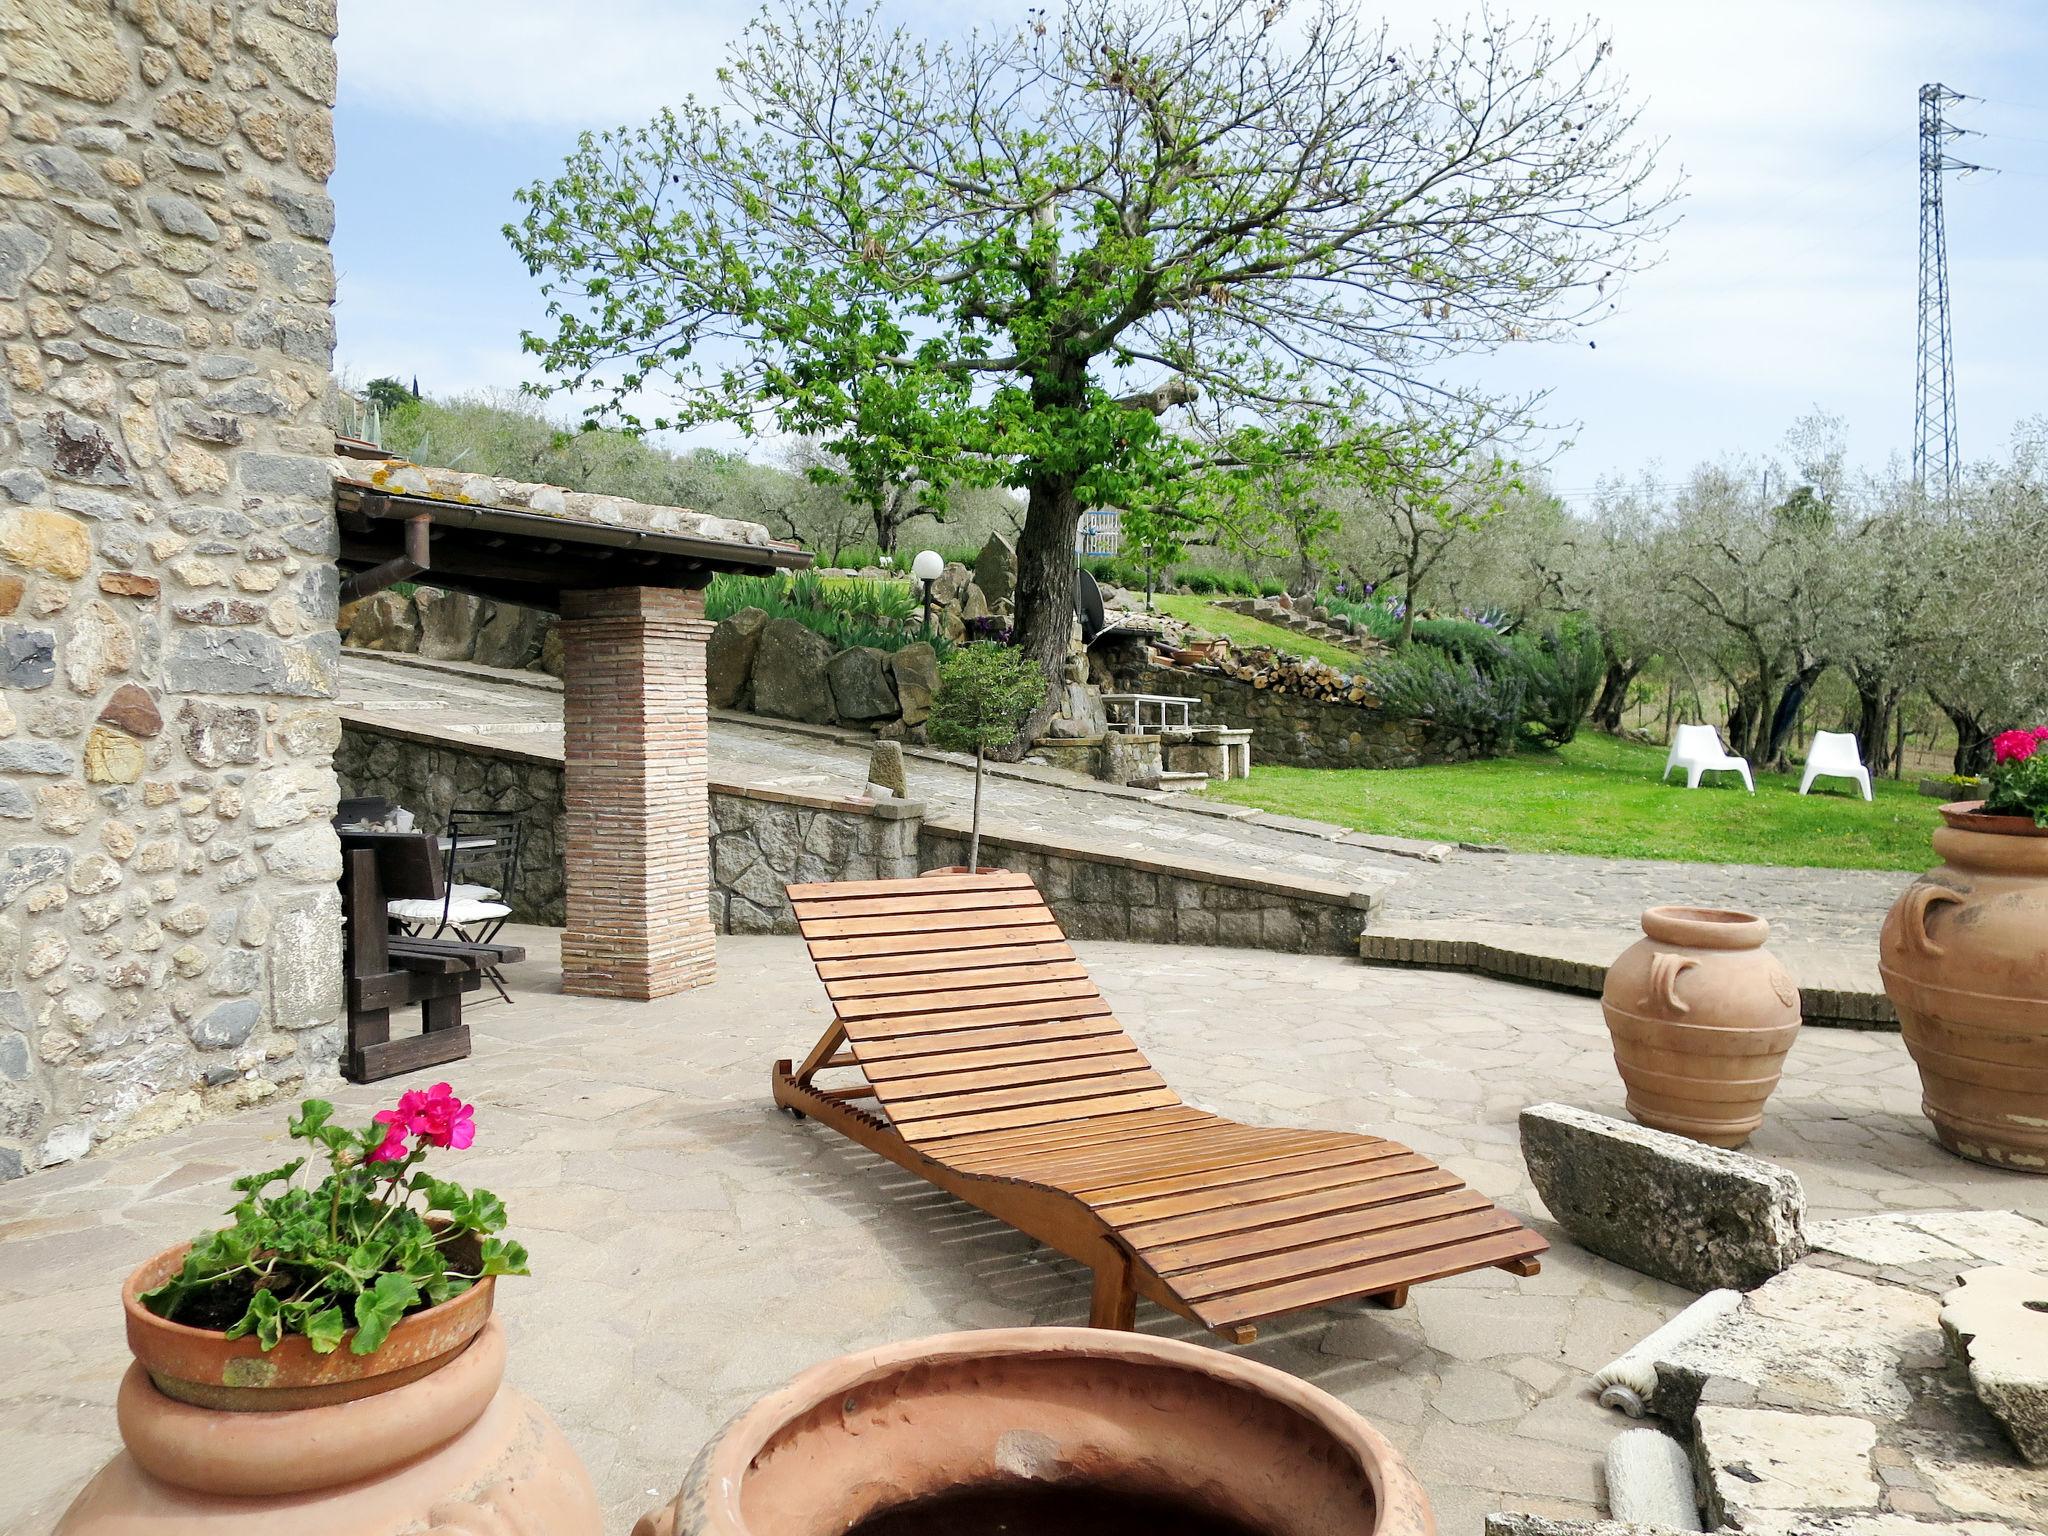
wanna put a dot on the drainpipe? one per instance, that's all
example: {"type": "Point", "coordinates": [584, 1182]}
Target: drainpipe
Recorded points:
{"type": "Point", "coordinates": [412, 563]}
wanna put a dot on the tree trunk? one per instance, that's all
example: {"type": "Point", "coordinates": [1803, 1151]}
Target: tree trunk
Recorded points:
{"type": "Point", "coordinates": [974, 835]}
{"type": "Point", "coordinates": [1786, 714]}
{"type": "Point", "coordinates": [1973, 737]}
{"type": "Point", "coordinates": [1045, 589]}
{"type": "Point", "coordinates": [1613, 699]}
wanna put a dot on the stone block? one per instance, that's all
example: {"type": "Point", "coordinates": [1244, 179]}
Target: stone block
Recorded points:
{"type": "Point", "coordinates": [1997, 1325]}
{"type": "Point", "coordinates": [1664, 1205]}
{"type": "Point", "coordinates": [448, 623]}
{"type": "Point", "coordinates": [862, 685]}
{"type": "Point", "coordinates": [789, 673]}
{"type": "Point", "coordinates": [915, 670]}
{"type": "Point", "coordinates": [1756, 1461]}
{"type": "Point", "coordinates": [729, 657]}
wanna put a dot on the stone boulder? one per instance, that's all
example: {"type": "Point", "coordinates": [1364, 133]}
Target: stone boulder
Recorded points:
{"type": "Point", "coordinates": [729, 657]}
{"type": "Point", "coordinates": [995, 572]}
{"type": "Point", "coordinates": [1997, 1325]}
{"type": "Point", "coordinates": [915, 669]}
{"type": "Point", "coordinates": [553, 655]}
{"type": "Point", "coordinates": [449, 622]}
{"type": "Point", "coordinates": [789, 673]}
{"type": "Point", "coordinates": [862, 687]}
{"type": "Point", "coordinates": [1082, 716]}
{"type": "Point", "coordinates": [510, 636]}
{"type": "Point", "coordinates": [1664, 1205]}
{"type": "Point", "coordinates": [951, 587]}
{"type": "Point", "coordinates": [385, 621]}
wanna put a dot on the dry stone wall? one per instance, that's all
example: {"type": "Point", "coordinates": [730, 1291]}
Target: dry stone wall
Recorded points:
{"type": "Point", "coordinates": [168, 917]}
{"type": "Point", "coordinates": [1298, 732]}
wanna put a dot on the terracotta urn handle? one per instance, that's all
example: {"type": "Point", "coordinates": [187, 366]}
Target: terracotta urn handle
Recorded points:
{"type": "Point", "coordinates": [1914, 915]}
{"type": "Point", "coordinates": [1664, 973]}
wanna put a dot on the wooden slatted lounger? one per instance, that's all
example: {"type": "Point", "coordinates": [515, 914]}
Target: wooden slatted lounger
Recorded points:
{"type": "Point", "coordinates": [1001, 1077]}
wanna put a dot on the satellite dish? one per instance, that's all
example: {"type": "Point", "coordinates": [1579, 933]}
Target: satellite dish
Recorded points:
{"type": "Point", "coordinates": [1088, 606]}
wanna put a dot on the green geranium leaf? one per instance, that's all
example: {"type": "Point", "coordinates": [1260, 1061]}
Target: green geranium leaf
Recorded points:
{"type": "Point", "coordinates": [502, 1256]}
{"type": "Point", "coordinates": [324, 1329]}
{"type": "Point", "coordinates": [256, 1183]}
{"type": "Point", "coordinates": [265, 1319]}
{"type": "Point", "coordinates": [379, 1309]}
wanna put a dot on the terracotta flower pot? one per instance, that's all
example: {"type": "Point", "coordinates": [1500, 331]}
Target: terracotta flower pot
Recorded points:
{"type": "Point", "coordinates": [422, 1434]}
{"type": "Point", "coordinates": [1701, 1016]}
{"type": "Point", "coordinates": [204, 1366]}
{"type": "Point", "coordinates": [1964, 957]}
{"type": "Point", "coordinates": [1057, 1429]}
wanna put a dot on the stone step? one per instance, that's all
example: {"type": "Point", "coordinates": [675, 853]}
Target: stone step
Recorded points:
{"type": "Point", "coordinates": [1182, 780]}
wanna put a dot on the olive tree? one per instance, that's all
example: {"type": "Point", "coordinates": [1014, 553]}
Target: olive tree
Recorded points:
{"type": "Point", "coordinates": [1011, 256]}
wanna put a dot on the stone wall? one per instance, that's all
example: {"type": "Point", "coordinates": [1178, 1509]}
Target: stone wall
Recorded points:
{"type": "Point", "coordinates": [1103, 893]}
{"type": "Point", "coordinates": [431, 779]}
{"type": "Point", "coordinates": [168, 915]}
{"type": "Point", "coordinates": [1298, 732]}
{"type": "Point", "coordinates": [762, 840]}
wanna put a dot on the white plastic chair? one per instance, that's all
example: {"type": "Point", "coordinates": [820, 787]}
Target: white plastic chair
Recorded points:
{"type": "Point", "coordinates": [1833, 755]}
{"type": "Point", "coordinates": [1697, 749]}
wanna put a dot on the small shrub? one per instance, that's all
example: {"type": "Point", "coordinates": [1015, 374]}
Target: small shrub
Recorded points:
{"type": "Point", "coordinates": [1562, 670]}
{"type": "Point", "coordinates": [847, 611]}
{"type": "Point", "coordinates": [986, 693]}
{"type": "Point", "coordinates": [1426, 683]}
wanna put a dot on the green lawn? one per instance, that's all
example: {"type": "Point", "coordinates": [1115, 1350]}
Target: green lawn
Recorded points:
{"type": "Point", "coordinates": [1600, 795]}
{"type": "Point", "coordinates": [1239, 629]}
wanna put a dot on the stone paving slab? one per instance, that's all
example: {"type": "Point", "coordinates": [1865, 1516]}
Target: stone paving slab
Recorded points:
{"type": "Point", "coordinates": [693, 1248]}
{"type": "Point", "coordinates": [1838, 983]}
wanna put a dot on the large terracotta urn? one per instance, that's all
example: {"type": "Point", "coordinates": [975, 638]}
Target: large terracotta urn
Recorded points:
{"type": "Point", "coordinates": [1701, 1016]}
{"type": "Point", "coordinates": [1080, 1431]}
{"type": "Point", "coordinates": [1964, 957]}
{"type": "Point", "coordinates": [421, 1435]}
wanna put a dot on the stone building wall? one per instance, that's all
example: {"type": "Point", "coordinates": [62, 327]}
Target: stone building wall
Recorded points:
{"type": "Point", "coordinates": [1303, 733]}
{"type": "Point", "coordinates": [431, 779]}
{"type": "Point", "coordinates": [168, 916]}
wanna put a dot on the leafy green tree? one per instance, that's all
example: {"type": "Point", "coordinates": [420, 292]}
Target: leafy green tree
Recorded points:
{"type": "Point", "coordinates": [388, 394]}
{"type": "Point", "coordinates": [986, 694]}
{"type": "Point", "coordinates": [1005, 258]}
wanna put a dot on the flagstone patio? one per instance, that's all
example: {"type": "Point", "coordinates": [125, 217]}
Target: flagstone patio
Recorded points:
{"type": "Point", "coordinates": [693, 1248]}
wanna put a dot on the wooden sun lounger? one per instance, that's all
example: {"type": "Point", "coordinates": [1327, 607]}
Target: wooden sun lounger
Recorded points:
{"type": "Point", "coordinates": [998, 1074]}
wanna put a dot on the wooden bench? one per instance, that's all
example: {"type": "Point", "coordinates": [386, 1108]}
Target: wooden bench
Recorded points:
{"type": "Point", "coordinates": [386, 970]}
{"type": "Point", "coordinates": [998, 1073]}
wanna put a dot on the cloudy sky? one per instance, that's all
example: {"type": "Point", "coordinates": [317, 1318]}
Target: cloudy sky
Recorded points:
{"type": "Point", "coordinates": [1788, 285]}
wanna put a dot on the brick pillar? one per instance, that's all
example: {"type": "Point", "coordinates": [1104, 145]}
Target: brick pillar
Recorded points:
{"type": "Point", "coordinates": [636, 824]}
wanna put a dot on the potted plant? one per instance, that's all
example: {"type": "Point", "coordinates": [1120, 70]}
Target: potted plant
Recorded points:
{"type": "Point", "coordinates": [1963, 963]}
{"type": "Point", "coordinates": [351, 1315]}
{"type": "Point", "coordinates": [986, 693]}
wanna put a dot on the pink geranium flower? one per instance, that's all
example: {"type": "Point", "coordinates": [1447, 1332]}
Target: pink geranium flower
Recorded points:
{"type": "Point", "coordinates": [442, 1120]}
{"type": "Point", "coordinates": [392, 1148]}
{"type": "Point", "coordinates": [2015, 746]}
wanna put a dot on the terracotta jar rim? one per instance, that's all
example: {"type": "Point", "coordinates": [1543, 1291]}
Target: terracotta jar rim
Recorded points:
{"type": "Point", "coordinates": [725, 1465]}
{"type": "Point", "coordinates": [1705, 927]}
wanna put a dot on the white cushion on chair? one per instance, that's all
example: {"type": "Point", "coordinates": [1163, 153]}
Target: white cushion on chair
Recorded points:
{"type": "Point", "coordinates": [460, 909]}
{"type": "Point", "coordinates": [464, 892]}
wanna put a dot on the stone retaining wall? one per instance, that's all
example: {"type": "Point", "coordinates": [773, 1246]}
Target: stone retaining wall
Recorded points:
{"type": "Point", "coordinates": [1298, 732]}
{"type": "Point", "coordinates": [168, 913]}
{"type": "Point", "coordinates": [431, 778]}
{"type": "Point", "coordinates": [763, 839]}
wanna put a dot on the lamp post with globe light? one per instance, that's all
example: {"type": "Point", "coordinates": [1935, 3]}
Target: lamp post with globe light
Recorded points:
{"type": "Point", "coordinates": [927, 568]}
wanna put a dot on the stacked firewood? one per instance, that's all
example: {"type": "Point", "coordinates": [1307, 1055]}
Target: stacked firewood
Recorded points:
{"type": "Point", "coordinates": [1304, 676]}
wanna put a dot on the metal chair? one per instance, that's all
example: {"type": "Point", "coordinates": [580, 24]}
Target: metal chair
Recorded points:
{"type": "Point", "coordinates": [481, 855]}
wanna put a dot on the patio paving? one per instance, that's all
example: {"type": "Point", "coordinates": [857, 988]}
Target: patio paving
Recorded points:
{"type": "Point", "coordinates": [693, 1248]}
